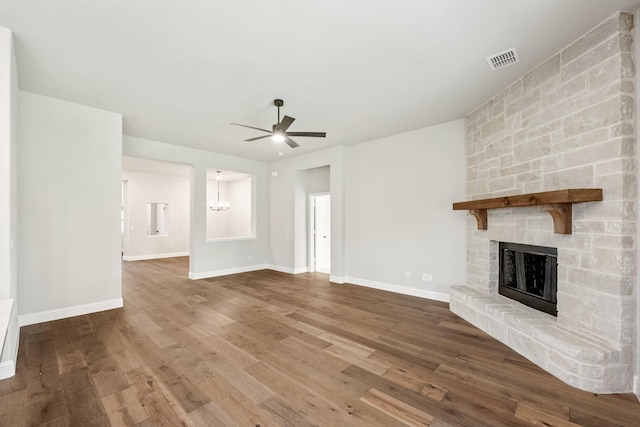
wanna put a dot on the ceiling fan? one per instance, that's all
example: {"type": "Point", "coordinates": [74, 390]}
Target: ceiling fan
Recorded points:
{"type": "Point", "coordinates": [279, 132]}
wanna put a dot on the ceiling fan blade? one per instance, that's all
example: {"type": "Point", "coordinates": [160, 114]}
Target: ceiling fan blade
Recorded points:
{"type": "Point", "coordinates": [251, 127]}
{"type": "Point", "coordinates": [284, 124]}
{"type": "Point", "coordinates": [258, 137]}
{"type": "Point", "coordinates": [314, 134]}
{"type": "Point", "coordinates": [290, 142]}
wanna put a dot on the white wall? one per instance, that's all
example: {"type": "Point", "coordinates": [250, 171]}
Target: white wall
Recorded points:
{"type": "Point", "coordinates": [398, 208]}
{"type": "Point", "coordinates": [8, 197]}
{"type": "Point", "coordinates": [213, 258]}
{"type": "Point", "coordinates": [69, 196]}
{"type": "Point", "coordinates": [395, 215]}
{"type": "Point", "coordinates": [317, 180]}
{"type": "Point", "coordinates": [143, 188]}
{"type": "Point", "coordinates": [240, 199]}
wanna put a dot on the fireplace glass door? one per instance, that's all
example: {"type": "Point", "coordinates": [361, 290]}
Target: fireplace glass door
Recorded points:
{"type": "Point", "coordinates": [528, 274]}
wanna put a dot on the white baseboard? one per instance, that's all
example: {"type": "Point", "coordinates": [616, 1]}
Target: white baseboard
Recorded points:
{"type": "Point", "coordinates": [288, 270]}
{"type": "Point", "coordinates": [7, 369]}
{"type": "Point", "coordinates": [404, 290]}
{"type": "Point", "coordinates": [227, 271]}
{"type": "Point", "coordinates": [154, 256]}
{"type": "Point", "coordinates": [63, 313]}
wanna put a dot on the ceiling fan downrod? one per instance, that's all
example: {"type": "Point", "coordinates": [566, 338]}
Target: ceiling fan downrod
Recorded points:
{"type": "Point", "coordinates": [278, 103]}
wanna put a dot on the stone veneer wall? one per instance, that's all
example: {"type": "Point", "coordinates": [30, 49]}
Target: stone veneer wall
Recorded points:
{"type": "Point", "coordinates": [569, 123]}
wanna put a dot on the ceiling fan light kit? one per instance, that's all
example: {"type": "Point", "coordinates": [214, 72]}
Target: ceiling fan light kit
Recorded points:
{"type": "Point", "coordinates": [278, 137]}
{"type": "Point", "coordinates": [279, 131]}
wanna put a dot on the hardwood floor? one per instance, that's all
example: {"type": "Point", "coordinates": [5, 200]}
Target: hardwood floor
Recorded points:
{"type": "Point", "coordinates": [271, 349]}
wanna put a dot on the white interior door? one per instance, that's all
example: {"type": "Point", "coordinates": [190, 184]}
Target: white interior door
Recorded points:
{"type": "Point", "coordinates": [322, 234]}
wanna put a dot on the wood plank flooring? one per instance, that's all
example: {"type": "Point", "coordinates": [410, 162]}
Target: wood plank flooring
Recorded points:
{"type": "Point", "coordinates": [271, 349]}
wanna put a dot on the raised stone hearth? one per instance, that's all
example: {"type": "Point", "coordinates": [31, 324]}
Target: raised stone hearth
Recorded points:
{"type": "Point", "coordinates": [569, 123]}
{"type": "Point", "coordinates": [583, 361]}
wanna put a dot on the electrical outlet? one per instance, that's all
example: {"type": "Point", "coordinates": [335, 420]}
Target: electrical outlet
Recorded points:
{"type": "Point", "coordinates": [429, 277]}
{"type": "Point", "coordinates": [424, 276]}
{"type": "Point", "coordinates": [250, 257]}
{"type": "Point", "coordinates": [407, 275]}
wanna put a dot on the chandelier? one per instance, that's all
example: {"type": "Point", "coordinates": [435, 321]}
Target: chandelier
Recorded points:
{"type": "Point", "coordinates": [221, 206]}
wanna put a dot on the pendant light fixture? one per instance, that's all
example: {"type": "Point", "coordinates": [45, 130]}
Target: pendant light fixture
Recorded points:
{"type": "Point", "coordinates": [222, 206]}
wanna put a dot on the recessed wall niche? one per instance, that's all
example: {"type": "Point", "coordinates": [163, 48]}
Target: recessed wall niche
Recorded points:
{"type": "Point", "coordinates": [230, 204]}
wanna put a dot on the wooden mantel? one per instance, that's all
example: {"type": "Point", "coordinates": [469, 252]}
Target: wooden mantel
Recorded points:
{"type": "Point", "coordinates": [558, 203]}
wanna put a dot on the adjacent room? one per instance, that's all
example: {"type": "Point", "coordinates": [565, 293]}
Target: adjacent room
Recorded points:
{"type": "Point", "coordinates": [297, 213]}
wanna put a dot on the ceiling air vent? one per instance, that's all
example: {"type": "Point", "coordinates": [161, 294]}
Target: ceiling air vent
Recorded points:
{"type": "Point", "coordinates": [502, 59]}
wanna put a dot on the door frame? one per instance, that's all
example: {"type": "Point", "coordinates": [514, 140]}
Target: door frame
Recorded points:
{"type": "Point", "coordinates": [125, 219]}
{"type": "Point", "coordinates": [311, 247]}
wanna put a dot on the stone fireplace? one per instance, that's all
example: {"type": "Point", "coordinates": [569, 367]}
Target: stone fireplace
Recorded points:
{"type": "Point", "coordinates": [569, 123]}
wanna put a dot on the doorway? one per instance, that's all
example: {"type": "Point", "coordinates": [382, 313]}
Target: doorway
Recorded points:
{"type": "Point", "coordinates": [320, 210]}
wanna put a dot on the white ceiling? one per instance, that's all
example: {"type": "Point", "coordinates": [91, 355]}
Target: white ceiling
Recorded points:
{"type": "Point", "coordinates": [181, 71]}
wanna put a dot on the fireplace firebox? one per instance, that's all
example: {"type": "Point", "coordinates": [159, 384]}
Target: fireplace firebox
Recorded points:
{"type": "Point", "coordinates": [528, 274]}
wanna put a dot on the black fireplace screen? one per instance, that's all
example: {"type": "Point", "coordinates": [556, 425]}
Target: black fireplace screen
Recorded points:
{"type": "Point", "coordinates": [528, 274]}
